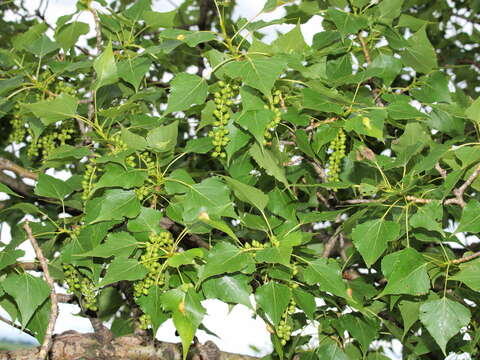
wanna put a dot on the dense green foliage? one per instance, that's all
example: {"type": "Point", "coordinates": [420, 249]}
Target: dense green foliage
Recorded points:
{"type": "Point", "coordinates": [213, 184]}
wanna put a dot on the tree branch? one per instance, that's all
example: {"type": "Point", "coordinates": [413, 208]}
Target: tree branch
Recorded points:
{"type": "Point", "coordinates": [366, 53]}
{"type": "Point", "coordinates": [459, 192]}
{"type": "Point", "coordinates": [466, 258]}
{"type": "Point", "coordinates": [47, 342]}
{"type": "Point", "coordinates": [16, 326]}
{"type": "Point", "coordinates": [6, 164]}
{"type": "Point", "coordinates": [73, 345]}
{"type": "Point", "coordinates": [16, 184]}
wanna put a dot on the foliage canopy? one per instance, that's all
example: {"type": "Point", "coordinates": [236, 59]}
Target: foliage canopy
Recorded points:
{"type": "Point", "coordinates": [207, 163]}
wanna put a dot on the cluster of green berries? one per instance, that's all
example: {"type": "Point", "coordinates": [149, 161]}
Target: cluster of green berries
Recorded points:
{"type": "Point", "coordinates": [338, 153]}
{"type": "Point", "coordinates": [145, 321]}
{"type": "Point", "coordinates": [89, 177]}
{"type": "Point", "coordinates": [223, 105]}
{"type": "Point", "coordinates": [118, 145]}
{"type": "Point", "coordinates": [151, 258]}
{"type": "Point", "coordinates": [255, 244]}
{"type": "Point", "coordinates": [81, 285]}
{"type": "Point", "coordinates": [142, 192]}
{"type": "Point", "coordinates": [272, 125]}
{"type": "Point", "coordinates": [18, 127]}
{"type": "Point", "coordinates": [284, 329]}
{"type": "Point", "coordinates": [50, 140]}
{"type": "Point", "coordinates": [62, 87]}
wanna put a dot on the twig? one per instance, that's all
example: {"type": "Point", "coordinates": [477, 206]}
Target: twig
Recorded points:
{"type": "Point", "coordinates": [47, 342]}
{"type": "Point", "coordinates": [319, 170]}
{"type": "Point", "coordinates": [466, 258]}
{"type": "Point", "coordinates": [459, 192]}
{"type": "Point", "coordinates": [98, 31]}
{"type": "Point", "coordinates": [366, 53]}
{"type": "Point", "coordinates": [16, 326]}
{"type": "Point", "coordinates": [330, 245]}
{"type": "Point", "coordinates": [360, 201]}
{"type": "Point", "coordinates": [17, 169]}
{"type": "Point", "coordinates": [418, 200]}
{"type": "Point", "coordinates": [441, 171]}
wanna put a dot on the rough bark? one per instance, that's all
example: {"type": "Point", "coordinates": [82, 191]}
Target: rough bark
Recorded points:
{"type": "Point", "coordinates": [75, 346]}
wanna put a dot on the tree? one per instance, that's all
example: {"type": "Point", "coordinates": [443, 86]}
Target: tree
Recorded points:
{"type": "Point", "coordinates": [212, 184]}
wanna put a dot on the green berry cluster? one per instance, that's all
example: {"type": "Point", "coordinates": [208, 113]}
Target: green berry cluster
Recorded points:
{"type": "Point", "coordinates": [224, 103]}
{"type": "Point", "coordinates": [80, 285]}
{"type": "Point", "coordinates": [50, 139]}
{"type": "Point", "coordinates": [145, 321]}
{"type": "Point", "coordinates": [18, 126]}
{"type": "Point", "coordinates": [89, 177]}
{"type": "Point", "coordinates": [118, 145]}
{"type": "Point", "coordinates": [255, 244]}
{"type": "Point", "coordinates": [142, 192]}
{"type": "Point", "coordinates": [284, 329]}
{"type": "Point", "coordinates": [272, 125]}
{"type": "Point", "coordinates": [338, 153]}
{"type": "Point", "coordinates": [151, 260]}
{"type": "Point", "coordinates": [62, 87]}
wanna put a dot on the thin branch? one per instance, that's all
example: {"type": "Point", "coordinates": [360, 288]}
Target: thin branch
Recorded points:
{"type": "Point", "coordinates": [16, 326]}
{"type": "Point", "coordinates": [466, 258]}
{"type": "Point", "coordinates": [47, 342]}
{"type": "Point", "coordinates": [418, 200]}
{"type": "Point", "coordinates": [366, 53]}
{"type": "Point", "coordinates": [441, 171]}
{"type": "Point", "coordinates": [6, 164]}
{"type": "Point", "coordinates": [98, 31]}
{"type": "Point", "coordinates": [360, 201]}
{"type": "Point", "coordinates": [459, 192]}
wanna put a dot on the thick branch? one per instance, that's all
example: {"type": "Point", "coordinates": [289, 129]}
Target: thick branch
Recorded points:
{"type": "Point", "coordinates": [73, 345]}
{"type": "Point", "coordinates": [16, 184]}
{"type": "Point", "coordinates": [47, 342]}
{"type": "Point", "coordinates": [17, 169]}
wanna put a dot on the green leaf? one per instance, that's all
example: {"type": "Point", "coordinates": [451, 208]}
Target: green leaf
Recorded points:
{"type": "Point", "coordinates": [420, 54]}
{"type": "Point", "coordinates": [185, 257]}
{"type": "Point", "coordinates": [226, 258]}
{"type": "Point", "coordinates": [273, 298]}
{"type": "Point", "coordinates": [469, 274]}
{"type": "Point", "coordinates": [371, 238]}
{"type": "Point", "coordinates": [117, 176]}
{"type": "Point", "coordinates": [347, 23]}
{"type": "Point", "coordinates": [229, 288]}
{"type": "Point", "coordinates": [256, 122]}
{"type": "Point", "coordinates": [28, 291]}
{"type": "Point", "coordinates": [49, 186]}
{"type": "Point", "coordinates": [428, 217]}
{"type": "Point", "coordinates": [434, 89]}
{"type": "Point", "coordinates": [370, 124]}
{"type": "Point", "coordinates": [410, 313]}
{"type": "Point", "coordinates": [247, 193]}
{"type": "Point", "coordinates": [152, 306]}
{"type": "Point", "coordinates": [473, 111]}
{"type": "Point", "coordinates": [386, 67]}
{"type": "Point", "coordinates": [163, 138]}
{"type": "Point", "coordinates": [210, 197]}
{"type": "Point", "coordinates": [364, 330]}
{"type": "Point", "coordinates": [147, 220]}
{"type": "Point", "coordinates": [267, 161]}
{"type": "Point", "coordinates": [132, 71]}
{"type": "Point", "coordinates": [389, 10]}
{"type": "Point", "coordinates": [469, 222]}
{"type": "Point", "coordinates": [5, 189]}
{"type": "Point", "coordinates": [50, 111]}
{"type": "Point", "coordinates": [69, 34]}
{"type": "Point", "coordinates": [115, 204]}
{"type": "Point", "coordinates": [186, 90]}
{"type": "Point", "coordinates": [291, 42]}
{"type": "Point", "coordinates": [67, 151]}
{"type": "Point", "coordinates": [9, 257]}
{"type": "Point", "coordinates": [191, 38]}
{"type": "Point", "coordinates": [328, 275]}
{"type": "Point", "coordinates": [259, 73]}
{"type": "Point", "coordinates": [274, 255]}
{"type": "Point", "coordinates": [41, 46]}
{"type": "Point", "coordinates": [316, 101]}
{"type": "Point", "coordinates": [443, 319]}
{"type": "Point", "coordinates": [123, 269]}
{"type": "Point", "coordinates": [120, 244]}
{"type": "Point", "coordinates": [406, 273]}
{"type": "Point", "coordinates": [160, 19]}
{"type": "Point", "coordinates": [305, 301]}
{"type": "Point", "coordinates": [105, 68]}
{"type": "Point", "coordinates": [201, 145]}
